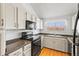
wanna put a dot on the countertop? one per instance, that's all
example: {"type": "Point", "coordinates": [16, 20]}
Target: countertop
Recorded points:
{"type": "Point", "coordinates": [13, 45]}
{"type": "Point", "coordinates": [67, 35]}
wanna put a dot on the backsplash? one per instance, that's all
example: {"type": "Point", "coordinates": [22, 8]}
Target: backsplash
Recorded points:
{"type": "Point", "coordinates": [12, 35]}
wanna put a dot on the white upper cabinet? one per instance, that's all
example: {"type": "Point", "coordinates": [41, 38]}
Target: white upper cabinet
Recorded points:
{"type": "Point", "coordinates": [21, 18]}
{"type": "Point", "coordinates": [2, 15]}
{"type": "Point", "coordinates": [29, 16]}
{"type": "Point", "coordinates": [8, 16]}
{"type": "Point", "coordinates": [33, 18]}
{"type": "Point", "coordinates": [14, 17]}
{"type": "Point", "coordinates": [39, 24]}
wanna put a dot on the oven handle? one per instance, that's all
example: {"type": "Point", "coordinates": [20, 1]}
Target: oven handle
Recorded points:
{"type": "Point", "coordinates": [36, 40]}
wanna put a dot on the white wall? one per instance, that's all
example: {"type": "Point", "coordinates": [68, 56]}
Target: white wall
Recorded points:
{"type": "Point", "coordinates": [12, 35]}
{"type": "Point", "coordinates": [73, 23]}
{"type": "Point", "coordinates": [48, 10]}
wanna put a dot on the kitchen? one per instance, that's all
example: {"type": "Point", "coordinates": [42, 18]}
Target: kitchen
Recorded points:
{"type": "Point", "coordinates": [26, 29]}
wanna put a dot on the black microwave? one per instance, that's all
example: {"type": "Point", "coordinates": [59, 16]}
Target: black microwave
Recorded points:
{"type": "Point", "coordinates": [30, 25]}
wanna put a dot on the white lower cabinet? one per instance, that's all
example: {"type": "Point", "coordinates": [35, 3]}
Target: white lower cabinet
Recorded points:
{"type": "Point", "coordinates": [56, 43]}
{"type": "Point", "coordinates": [16, 53]}
{"type": "Point", "coordinates": [27, 47]}
{"type": "Point", "coordinates": [27, 50]}
{"type": "Point", "coordinates": [24, 51]}
{"type": "Point", "coordinates": [2, 43]}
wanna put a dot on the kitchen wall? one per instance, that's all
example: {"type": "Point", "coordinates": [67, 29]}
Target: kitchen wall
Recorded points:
{"type": "Point", "coordinates": [12, 34]}
{"type": "Point", "coordinates": [68, 28]}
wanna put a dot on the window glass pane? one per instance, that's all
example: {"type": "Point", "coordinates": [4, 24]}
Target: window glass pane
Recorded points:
{"type": "Point", "coordinates": [56, 25]}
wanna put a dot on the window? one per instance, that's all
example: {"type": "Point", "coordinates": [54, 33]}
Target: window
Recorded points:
{"type": "Point", "coordinates": [55, 24]}
{"type": "Point", "coordinates": [58, 25]}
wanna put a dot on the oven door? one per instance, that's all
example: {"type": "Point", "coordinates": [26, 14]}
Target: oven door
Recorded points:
{"type": "Point", "coordinates": [36, 46]}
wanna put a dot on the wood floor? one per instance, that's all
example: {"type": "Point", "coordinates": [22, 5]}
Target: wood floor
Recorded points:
{"type": "Point", "coordinates": [51, 52]}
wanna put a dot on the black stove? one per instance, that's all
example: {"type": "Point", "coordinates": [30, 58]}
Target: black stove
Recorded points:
{"type": "Point", "coordinates": [35, 42]}
{"type": "Point", "coordinates": [36, 46]}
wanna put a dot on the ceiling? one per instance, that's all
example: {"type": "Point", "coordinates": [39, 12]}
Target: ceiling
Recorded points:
{"type": "Point", "coordinates": [49, 10]}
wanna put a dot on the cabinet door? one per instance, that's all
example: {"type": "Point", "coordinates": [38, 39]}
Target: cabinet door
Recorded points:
{"type": "Point", "coordinates": [27, 46]}
{"type": "Point", "coordinates": [2, 42]}
{"type": "Point", "coordinates": [21, 18]}
{"type": "Point", "coordinates": [49, 42]}
{"type": "Point", "coordinates": [37, 23]}
{"type": "Point", "coordinates": [29, 16]}
{"type": "Point", "coordinates": [2, 15]}
{"type": "Point", "coordinates": [61, 44]}
{"type": "Point", "coordinates": [10, 16]}
{"type": "Point", "coordinates": [33, 18]}
{"type": "Point", "coordinates": [27, 52]}
{"type": "Point", "coordinates": [56, 43]}
{"type": "Point", "coordinates": [41, 24]}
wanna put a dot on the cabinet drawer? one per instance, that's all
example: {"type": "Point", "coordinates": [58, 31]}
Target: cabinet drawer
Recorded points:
{"type": "Point", "coordinates": [27, 47]}
{"type": "Point", "coordinates": [27, 52]}
{"type": "Point", "coordinates": [16, 53]}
